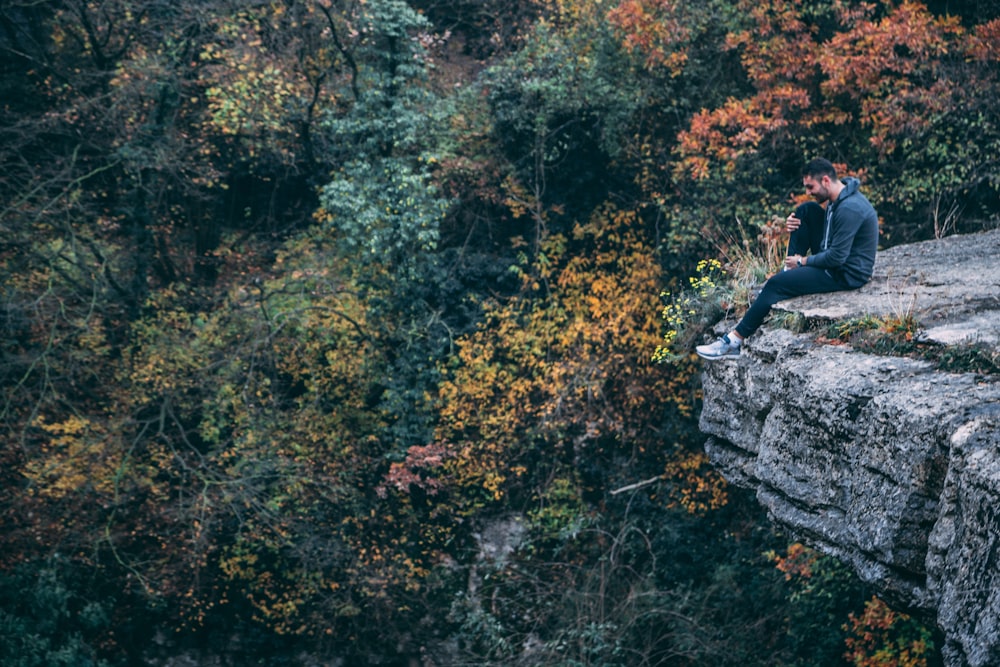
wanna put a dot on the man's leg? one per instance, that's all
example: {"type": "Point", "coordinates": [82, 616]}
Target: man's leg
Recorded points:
{"type": "Point", "coordinates": [808, 238]}
{"type": "Point", "coordinates": [785, 285]}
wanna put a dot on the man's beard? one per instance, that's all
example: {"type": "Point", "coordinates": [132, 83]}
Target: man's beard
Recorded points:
{"type": "Point", "coordinates": [822, 196]}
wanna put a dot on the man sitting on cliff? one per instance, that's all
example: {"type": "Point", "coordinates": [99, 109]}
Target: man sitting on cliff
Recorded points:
{"type": "Point", "coordinates": [840, 241]}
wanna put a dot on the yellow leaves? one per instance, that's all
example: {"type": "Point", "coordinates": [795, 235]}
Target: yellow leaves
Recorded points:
{"type": "Point", "coordinates": [517, 199]}
{"type": "Point", "coordinates": [282, 592]}
{"type": "Point", "coordinates": [686, 311]}
{"type": "Point", "coordinates": [73, 426]}
{"type": "Point", "coordinates": [252, 102]}
{"type": "Point", "coordinates": [542, 367]}
{"type": "Point", "coordinates": [239, 565]}
{"type": "Point", "coordinates": [165, 353]}
{"type": "Point", "coordinates": [251, 88]}
{"type": "Point", "coordinates": [492, 483]}
{"type": "Point", "coordinates": [73, 457]}
{"type": "Point", "coordinates": [696, 487]}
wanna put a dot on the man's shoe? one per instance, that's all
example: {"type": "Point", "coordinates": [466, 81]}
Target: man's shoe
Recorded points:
{"type": "Point", "coordinates": [720, 349]}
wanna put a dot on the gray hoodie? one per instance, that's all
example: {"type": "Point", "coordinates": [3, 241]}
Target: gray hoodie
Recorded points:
{"type": "Point", "coordinates": [849, 255]}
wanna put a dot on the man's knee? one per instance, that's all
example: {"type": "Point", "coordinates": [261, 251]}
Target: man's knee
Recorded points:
{"type": "Point", "coordinates": [810, 213]}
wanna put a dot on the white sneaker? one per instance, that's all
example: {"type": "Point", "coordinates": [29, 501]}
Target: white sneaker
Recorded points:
{"type": "Point", "coordinates": [723, 348]}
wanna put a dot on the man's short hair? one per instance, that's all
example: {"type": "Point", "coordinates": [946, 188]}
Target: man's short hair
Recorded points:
{"type": "Point", "coordinates": [818, 168]}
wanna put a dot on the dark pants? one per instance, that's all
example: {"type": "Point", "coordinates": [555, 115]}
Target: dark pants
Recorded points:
{"type": "Point", "coordinates": [794, 282]}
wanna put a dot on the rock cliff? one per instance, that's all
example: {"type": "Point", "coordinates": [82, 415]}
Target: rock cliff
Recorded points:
{"type": "Point", "coordinates": [887, 463]}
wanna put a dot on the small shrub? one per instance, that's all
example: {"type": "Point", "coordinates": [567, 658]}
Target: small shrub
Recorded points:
{"type": "Point", "coordinates": [896, 335]}
{"type": "Point", "coordinates": [891, 335]}
{"type": "Point", "coordinates": [974, 358]}
{"type": "Point", "coordinates": [822, 591]}
{"type": "Point", "coordinates": [687, 313]}
{"type": "Point", "coordinates": [882, 637]}
{"type": "Point", "coordinates": [792, 321]}
{"type": "Point", "coordinates": [751, 261]}
{"type": "Point", "coordinates": [46, 619]}
{"type": "Point", "coordinates": [844, 330]}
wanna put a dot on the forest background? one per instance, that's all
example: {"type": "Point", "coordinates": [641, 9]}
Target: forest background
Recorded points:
{"type": "Point", "coordinates": [327, 325]}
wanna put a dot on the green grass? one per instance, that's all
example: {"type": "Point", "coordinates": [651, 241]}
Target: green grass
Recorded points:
{"type": "Point", "coordinates": [897, 336]}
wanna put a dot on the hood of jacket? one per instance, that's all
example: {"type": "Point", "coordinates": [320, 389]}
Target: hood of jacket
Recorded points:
{"type": "Point", "coordinates": [851, 185]}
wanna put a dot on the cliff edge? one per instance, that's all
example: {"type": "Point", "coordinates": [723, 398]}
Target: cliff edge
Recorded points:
{"type": "Point", "coordinates": [887, 463]}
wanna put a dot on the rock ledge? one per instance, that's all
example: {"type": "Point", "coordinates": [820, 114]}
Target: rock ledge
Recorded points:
{"type": "Point", "coordinates": [884, 462]}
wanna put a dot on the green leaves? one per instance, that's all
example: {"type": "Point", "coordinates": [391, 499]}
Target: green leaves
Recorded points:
{"type": "Point", "coordinates": [47, 619]}
{"type": "Point", "coordinates": [388, 115]}
{"type": "Point", "coordinates": [261, 343]}
{"type": "Point", "coordinates": [384, 213]}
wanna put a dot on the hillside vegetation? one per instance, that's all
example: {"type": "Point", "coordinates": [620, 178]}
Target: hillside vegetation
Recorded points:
{"type": "Point", "coordinates": [328, 326]}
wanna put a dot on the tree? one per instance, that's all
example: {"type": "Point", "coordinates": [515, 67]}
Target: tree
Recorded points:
{"type": "Point", "coordinates": [888, 74]}
{"type": "Point", "coordinates": [561, 376]}
{"type": "Point", "coordinates": [288, 317]}
{"type": "Point", "coordinates": [186, 464]}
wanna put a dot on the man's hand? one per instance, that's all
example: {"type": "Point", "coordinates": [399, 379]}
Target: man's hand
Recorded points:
{"type": "Point", "coordinates": [792, 223]}
{"type": "Point", "coordinates": [794, 261]}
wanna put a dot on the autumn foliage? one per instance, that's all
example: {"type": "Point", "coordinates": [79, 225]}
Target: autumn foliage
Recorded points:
{"type": "Point", "coordinates": [562, 371]}
{"type": "Point", "coordinates": [881, 637]}
{"type": "Point", "coordinates": [302, 299]}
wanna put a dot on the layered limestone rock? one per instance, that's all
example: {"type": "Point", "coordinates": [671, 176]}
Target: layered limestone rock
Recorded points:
{"type": "Point", "coordinates": [885, 462]}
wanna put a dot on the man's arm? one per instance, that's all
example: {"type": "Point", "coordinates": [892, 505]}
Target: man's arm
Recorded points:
{"type": "Point", "coordinates": [847, 220]}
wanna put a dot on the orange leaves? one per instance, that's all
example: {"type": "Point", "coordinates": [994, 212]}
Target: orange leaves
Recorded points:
{"type": "Point", "coordinates": [877, 637]}
{"type": "Point", "coordinates": [893, 66]}
{"type": "Point", "coordinates": [872, 54]}
{"type": "Point", "coordinates": [723, 135]}
{"type": "Point", "coordinates": [780, 55]}
{"type": "Point", "coordinates": [883, 66]}
{"type": "Point", "coordinates": [781, 48]}
{"type": "Point", "coordinates": [983, 44]}
{"type": "Point", "coordinates": [655, 29]}
{"type": "Point", "coordinates": [881, 637]}
{"type": "Point", "coordinates": [797, 563]}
